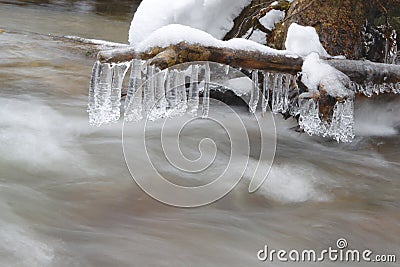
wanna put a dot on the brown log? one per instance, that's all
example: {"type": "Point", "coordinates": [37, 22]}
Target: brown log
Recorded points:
{"type": "Point", "coordinates": [359, 71]}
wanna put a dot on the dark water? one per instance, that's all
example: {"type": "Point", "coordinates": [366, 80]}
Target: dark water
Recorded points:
{"type": "Point", "coordinates": [67, 198]}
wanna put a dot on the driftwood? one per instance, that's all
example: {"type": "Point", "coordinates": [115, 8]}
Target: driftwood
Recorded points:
{"type": "Point", "coordinates": [359, 71]}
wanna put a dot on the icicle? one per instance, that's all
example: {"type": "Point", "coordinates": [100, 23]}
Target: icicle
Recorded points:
{"type": "Point", "coordinates": [277, 93]}
{"type": "Point", "coordinates": [100, 95]}
{"type": "Point", "coordinates": [134, 99]}
{"type": "Point", "coordinates": [119, 72]}
{"type": "Point", "coordinates": [369, 89]}
{"type": "Point", "coordinates": [397, 86]}
{"type": "Point", "coordinates": [342, 125]}
{"type": "Point", "coordinates": [206, 92]}
{"type": "Point", "coordinates": [309, 119]}
{"type": "Point", "coordinates": [171, 92]}
{"type": "Point", "coordinates": [227, 69]}
{"type": "Point", "coordinates": [148, 94]}
{"type": "Point", "coordinates": [255, 93]}
{"type": "Point", "coordinates": [266, 86]}
{"type": "Point", "coordinates": [94, 80]}
{"type": "Point", "coordinates": [160, 107]}
{"type": "Point", "coordinates": [285, 93]}
{"type": "Point", "coordinates": [181, 96]}
{"type": "Point", "coordinates": [193, 98]}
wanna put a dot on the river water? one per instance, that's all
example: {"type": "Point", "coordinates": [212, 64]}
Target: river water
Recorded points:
{"type": "Point", "coordinates": [68, 199]}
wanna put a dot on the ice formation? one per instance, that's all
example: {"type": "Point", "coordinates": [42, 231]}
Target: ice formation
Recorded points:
{"type": "Point", "coordinates": [154, 94]}
{"type": "Point", "coordinates": [105, 92]}
{"type": "Point", "coordinates": [369, 89]}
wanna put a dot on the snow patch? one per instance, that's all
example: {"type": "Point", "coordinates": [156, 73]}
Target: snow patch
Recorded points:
{"type": "Point", "coordinates": [175, 33]}
{"type": "Point", "coordinates": [213, 16]}
{"type": "Point", "coordinates": [304, 40]}
{"type": "Point", "coordinates": [271, 18]}
{"type": "Point", "coordinates": [316, 72]}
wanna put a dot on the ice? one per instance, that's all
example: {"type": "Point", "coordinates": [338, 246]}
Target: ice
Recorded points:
{"type": "Point", "coordinates": [369, 89]}
{"type": "Point", "coordinates": [227, 69]}
{"type": "Point", "coordinates": [341, 127]}
{"type": "Point", "coordinates": [105, 92]}
{"type": "Point", "coordinates": [193, 98]}
{"type": "Point", "coordinates": [255, 93]}
{"type": "Point", "coordinates": [119, 72]}
{"type": "Point", "coordinates": [181, 93]}
{"type": "Point", "coordinates": [278, 86]}
{"type": "Point", "coordinates": [266, 91]}
{"type": "Point", "coordinates": [154, 94]}
{"type": "Point", "coordinates": [277, 92]}
{"type": "Point", "coordinates": [100, 105]}
{"type": "Point", "coordinates": [148, 94]}
{"type": "Point", "coordinates": [134, 100]}
{"type": "Point", "coordinates": [206, 91]}
{"type": "Point", "coordinates": [285, 92]}
{"type": "Point", "coordinates": [160, 107]}
{"type": "Point", "coordinates": [171, 92]}
{"type": "Point", "coordinates": [92, 91]}
{"type": "Point", "coordinates": [309, 119]}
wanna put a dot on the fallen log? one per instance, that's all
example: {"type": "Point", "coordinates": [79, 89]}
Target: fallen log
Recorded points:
{"type": "Point", "coordinates": [360, 71]}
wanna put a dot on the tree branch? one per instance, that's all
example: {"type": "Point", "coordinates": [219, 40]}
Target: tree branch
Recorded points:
{"type": "Point", "coordinates": [359, 71]}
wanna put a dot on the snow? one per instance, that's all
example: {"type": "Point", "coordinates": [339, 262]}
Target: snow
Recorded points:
{"type": "Point", "coordinates": [175, 33]}
{"type": "Point", "coordinates": [304, 40]}
{"type": "Point", "coordinates": [271, 18]}
{"type": "Point", "coordinates": [257, 36]}
{"type": "Point", "coordinates": [212, 16]}
{"type": "Point", "coordinates": [316, 72]}
{"type": "Point", "coordinates": [268, 21]}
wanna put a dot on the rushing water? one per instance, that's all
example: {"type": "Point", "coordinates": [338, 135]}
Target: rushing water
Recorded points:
{"type": "Point", "coordinates": [67, 198]}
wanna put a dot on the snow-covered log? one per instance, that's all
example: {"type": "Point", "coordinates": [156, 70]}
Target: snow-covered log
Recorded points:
{"type": "Point", "coordinates": [359, 71]}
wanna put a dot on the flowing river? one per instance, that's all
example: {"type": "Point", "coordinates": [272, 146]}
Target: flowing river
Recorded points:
{"type": "Point", "coordinates": [67, 197]}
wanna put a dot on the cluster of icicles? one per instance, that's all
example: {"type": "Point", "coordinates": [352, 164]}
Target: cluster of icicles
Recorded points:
{"type": "Point", "coordinates": [370, 89]}
{"type": "Point", "coordinates": [154, 94]}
